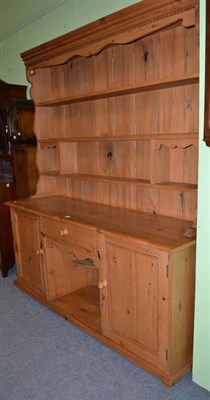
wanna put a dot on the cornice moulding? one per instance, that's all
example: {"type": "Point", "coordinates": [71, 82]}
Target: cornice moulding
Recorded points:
{"type": "Point", "coordinates": [114, 28]}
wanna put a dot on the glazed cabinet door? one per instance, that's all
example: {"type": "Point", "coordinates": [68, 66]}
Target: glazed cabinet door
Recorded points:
{"type": "Point", "coordinates": [28, 251]}
{"type": "Point", "coordinates": [135, 299]}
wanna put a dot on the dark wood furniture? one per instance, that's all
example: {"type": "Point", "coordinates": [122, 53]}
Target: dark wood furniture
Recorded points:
{"type": "Point", "coordinates": [107, 241]}
{"type": "Point", "coordinates": [18, 173]}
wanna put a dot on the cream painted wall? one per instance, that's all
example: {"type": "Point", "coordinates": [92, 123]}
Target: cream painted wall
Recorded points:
{"type": "Point", "coordinates": [28, 23]}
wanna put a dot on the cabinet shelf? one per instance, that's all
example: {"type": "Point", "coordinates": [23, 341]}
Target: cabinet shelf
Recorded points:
{"type": "Point", "coordinates": [53, 142]}
{"type": "Point", "coordinates": [184, 187]}
{"type": "Point", "coordinates": [131, 89]}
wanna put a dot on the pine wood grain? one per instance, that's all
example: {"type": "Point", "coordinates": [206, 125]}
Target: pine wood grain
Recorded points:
{"type": "Point", "coordinates": [164, 232]}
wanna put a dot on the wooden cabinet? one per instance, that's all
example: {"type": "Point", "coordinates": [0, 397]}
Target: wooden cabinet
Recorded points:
{"type": "Point", "coordinates": [116, 123]}
{"type": "Point", "coordinates": [124, 277]}
{"type": "Point", "coordinates": [7, 192]}
{"type": "Point", "coordinates": [18, 171]}
{"type": "Point", "coordinates": [145, 307]}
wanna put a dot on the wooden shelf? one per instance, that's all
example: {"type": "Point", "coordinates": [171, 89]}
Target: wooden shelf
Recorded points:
{"type": "Point", "coordinates": [159, 136]}
{"type": "Point", "coordinates": [183, 187]}
{"type": "Point", "coordinates": [81, 307]}
{"type": "Point", "coordinates": [142, 87]}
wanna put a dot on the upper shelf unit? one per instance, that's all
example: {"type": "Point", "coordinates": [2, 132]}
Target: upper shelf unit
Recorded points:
{"type": "Point", "coordinates": [117, 110]}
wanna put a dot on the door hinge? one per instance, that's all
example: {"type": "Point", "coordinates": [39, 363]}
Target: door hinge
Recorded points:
{"type": "Point", "coordinates": [166, 354]}
{"type": "Point", "coordinates": [167, 270]}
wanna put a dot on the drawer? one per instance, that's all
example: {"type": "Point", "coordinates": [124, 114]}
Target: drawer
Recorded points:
{"type": "Point", "coordinates": [69, 232]}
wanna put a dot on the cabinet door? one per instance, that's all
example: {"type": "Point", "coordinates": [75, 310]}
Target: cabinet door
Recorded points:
{"type": "Point", "coordinates": [28, 250]}
{"type": "Point", "coordinates": [135, 306]}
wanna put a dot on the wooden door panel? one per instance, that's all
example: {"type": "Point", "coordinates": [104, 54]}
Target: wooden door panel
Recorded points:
{"type": "Point", "coordinates": [27, 247]}
{"type": "Point", "coordinates": [133, 296]}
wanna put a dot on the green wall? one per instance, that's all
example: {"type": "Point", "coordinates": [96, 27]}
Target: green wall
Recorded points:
{"type": "Point", "coordinates": [28, 23]}
{"type": "Point", "coordinates": [201, 358]}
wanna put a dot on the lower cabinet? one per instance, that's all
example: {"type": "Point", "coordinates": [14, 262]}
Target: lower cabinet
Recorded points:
{"type": "Point", "coordinates": [147, 304]}
{"type": "Point", "coordinates": [28, 247]}
{"type": "Point", "coordinates": [135, 300]}
{"type": "Point", "coordinates": [136, 297]}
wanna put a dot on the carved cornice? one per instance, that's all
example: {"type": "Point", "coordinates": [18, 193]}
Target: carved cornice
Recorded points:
{"type": "Point", "coordinates": [120, 27]}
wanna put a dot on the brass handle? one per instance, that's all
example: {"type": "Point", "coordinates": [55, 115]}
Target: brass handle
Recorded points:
{"type": "Point", "coordinates": [63, 232]}
{"type": "Point", "coordinates": [102, 284]}
{"type": "Point", "coordinates": [39, 252]}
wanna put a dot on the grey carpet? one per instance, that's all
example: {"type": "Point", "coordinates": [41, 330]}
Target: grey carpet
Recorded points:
{"type": "Point", "coordinates": [43, 357]}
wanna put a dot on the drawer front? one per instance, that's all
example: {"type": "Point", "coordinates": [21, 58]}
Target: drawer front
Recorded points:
{"type": "Point", "coordinates": [72, 233]}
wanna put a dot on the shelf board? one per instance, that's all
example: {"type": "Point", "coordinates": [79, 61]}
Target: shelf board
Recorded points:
{"type": "Point", "coordinates": [81, 308]}
{"type": "Point", "coordinates": [148, 136]}
{"type": "Point", "coordinates": [131, 89]}
{"type": "Point", "coordinates": [183, 187]}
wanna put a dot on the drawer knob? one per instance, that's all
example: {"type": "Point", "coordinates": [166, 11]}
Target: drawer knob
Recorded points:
{"type": "Point", "coordinates": [39, 252]}
{"type": "Point", "coordinates": [63, 232]}
{"type": "Point", "coordinates": [102, 284]}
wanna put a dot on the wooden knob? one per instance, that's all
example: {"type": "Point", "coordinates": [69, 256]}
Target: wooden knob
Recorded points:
{"type": "Point", "coordinates": [39, 252]}
{"type": "Point", "coordinates": [102, 284]}
{"type": "Point", "coordinates": [63, 232]}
